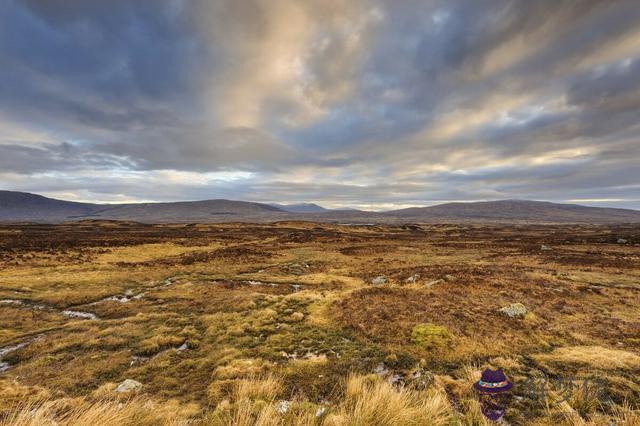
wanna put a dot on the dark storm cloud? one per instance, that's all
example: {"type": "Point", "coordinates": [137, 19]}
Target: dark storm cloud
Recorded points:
{"type": "Point", "coordinates": [65, 156]}
{"type": "Point", "coordinates": [373, 103]}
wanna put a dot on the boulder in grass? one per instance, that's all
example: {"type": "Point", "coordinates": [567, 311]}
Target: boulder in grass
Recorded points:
{"type": "Point", "coordinates": [379, 280]}
{"type": "Point", "coordinates": [514, 310]}
{"type": "Point", "coordinates": [128, 385]}
{"type": "Point", "coordinates": [622, 241]}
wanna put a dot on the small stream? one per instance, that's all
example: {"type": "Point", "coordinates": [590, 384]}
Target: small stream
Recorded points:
{"type": "Point", "coordinates": [66, 312]}
{"type": "Point", "coordinates": [4, 366]}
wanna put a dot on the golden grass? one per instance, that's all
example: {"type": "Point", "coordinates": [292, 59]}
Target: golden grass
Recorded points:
{"type": "Point", "coordinates": [106, 413]}
{"type": "Point", "coordinates": [370, 401]}
{"type": "Point", "coordinates": [366, 401]}
{"type": "Point", "coordinates": [593, 356]}
{"type": "Point", "coordinates": [250, 346]}
{"type": "Point", "coordinates": [265, 388]}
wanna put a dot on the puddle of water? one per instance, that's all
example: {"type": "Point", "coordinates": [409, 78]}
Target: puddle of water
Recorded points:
{"type": "Point", "coordinates": [11, 302]}
{"type": "Point", "coordinates": [80, 314]}
{"type": "Point", "coordinates": [121, 299]}
{"type": "Point", "coordinates": [251, 282]}
{"type": "Point", "coordinates": [71, 314]}
{"type": "Point", "coordinates": [21, 303]}
{"type": "Point", "coordinates": [128, 296]}
{"type": "Point", "coordinates": [9, 349]}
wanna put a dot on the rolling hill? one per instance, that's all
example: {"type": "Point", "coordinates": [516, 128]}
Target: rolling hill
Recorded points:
{"type": "Point", "coordinates": [518, 211]}
{"type": "Point", "coordinates": [25, 207]}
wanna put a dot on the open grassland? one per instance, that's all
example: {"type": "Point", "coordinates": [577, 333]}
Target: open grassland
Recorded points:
{"type": "Point", "coordinates": [303, 323]}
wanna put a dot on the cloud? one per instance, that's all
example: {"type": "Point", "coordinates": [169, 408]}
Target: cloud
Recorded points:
{"type": "Point", "coordinates": [366, 103]}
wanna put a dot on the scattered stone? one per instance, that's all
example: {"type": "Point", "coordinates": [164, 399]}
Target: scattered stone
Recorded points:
{"type": "Point", "coordinates": [182, 347]}
{"type": "Point", "coordinates": [622, 241]}
{"type": "Point", "coordinates": [135, 360]}
{"type": "Point", "coordinates": [545, 247]}
{"type": "Point", "coordinates": [320, 411]}
{"type": "Point", "coordinates": [396, 380]}
{"type": "Point", "coordinates": [282, 407]}
{"type": "Point", "coordinates": [379, 280]}
{"type": "Point", "coordinates": [412, 279]}
{"type": "Point", "coordinates": [514, 310]}
{"type": "Point", "coordinates": [128, 385]}
{"type": "Point", "coordinates": [381, 370]}
{"type": "Point", "coordinates": [421, 378]}
{"type": "Point", "coordinates": [294, 355]}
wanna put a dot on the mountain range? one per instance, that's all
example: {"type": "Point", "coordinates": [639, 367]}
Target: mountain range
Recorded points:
{"type": "Point", "coordinates": [26, 207]}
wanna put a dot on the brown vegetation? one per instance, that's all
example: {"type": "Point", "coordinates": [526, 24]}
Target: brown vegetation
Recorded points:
{"type": "Point", "coordinates": [227, 324]}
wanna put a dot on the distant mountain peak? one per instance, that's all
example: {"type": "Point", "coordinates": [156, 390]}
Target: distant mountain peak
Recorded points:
{"type": "Point", "coordinates": [300, 207]}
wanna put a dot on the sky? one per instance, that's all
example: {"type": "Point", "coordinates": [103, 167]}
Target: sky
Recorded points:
{"type": "Point", "coordinates": [354, 103]}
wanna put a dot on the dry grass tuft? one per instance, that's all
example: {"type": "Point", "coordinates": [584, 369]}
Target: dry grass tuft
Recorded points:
{"type": "Point", "coordinates": [370, 401]}
{"type": "Point", "coordinates": [265, 388]}
{"type": "Point", "coordinates": [593, 356]}
{"type": "Point", "coordinates": [105, 413]}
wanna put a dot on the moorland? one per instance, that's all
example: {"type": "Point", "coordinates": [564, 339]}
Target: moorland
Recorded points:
{"type": "Point", "coordinates": [315, 323]}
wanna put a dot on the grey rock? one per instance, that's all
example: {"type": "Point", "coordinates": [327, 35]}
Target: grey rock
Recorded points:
{"type": "Point", "coordinates": [282, 407]}
{"type": "Point", "coordinates": [137, 360]}
{"type": "Point", "coordinates": [396, 380]}
{"type": "Point", "coordinates": [622, 241]}
{"type": "Point", "coordinates": [379, 280]}
{"type": "Point", "coordinates": [545, 247]}
{"type": "Point", "coordinates": [514, 310]}
{"type": "Point", "coordinates": [381, 370]}
{"type": "Point", "coordinates": [412, 279]}
{"type": "Point", "coordinates": [128, 385]}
